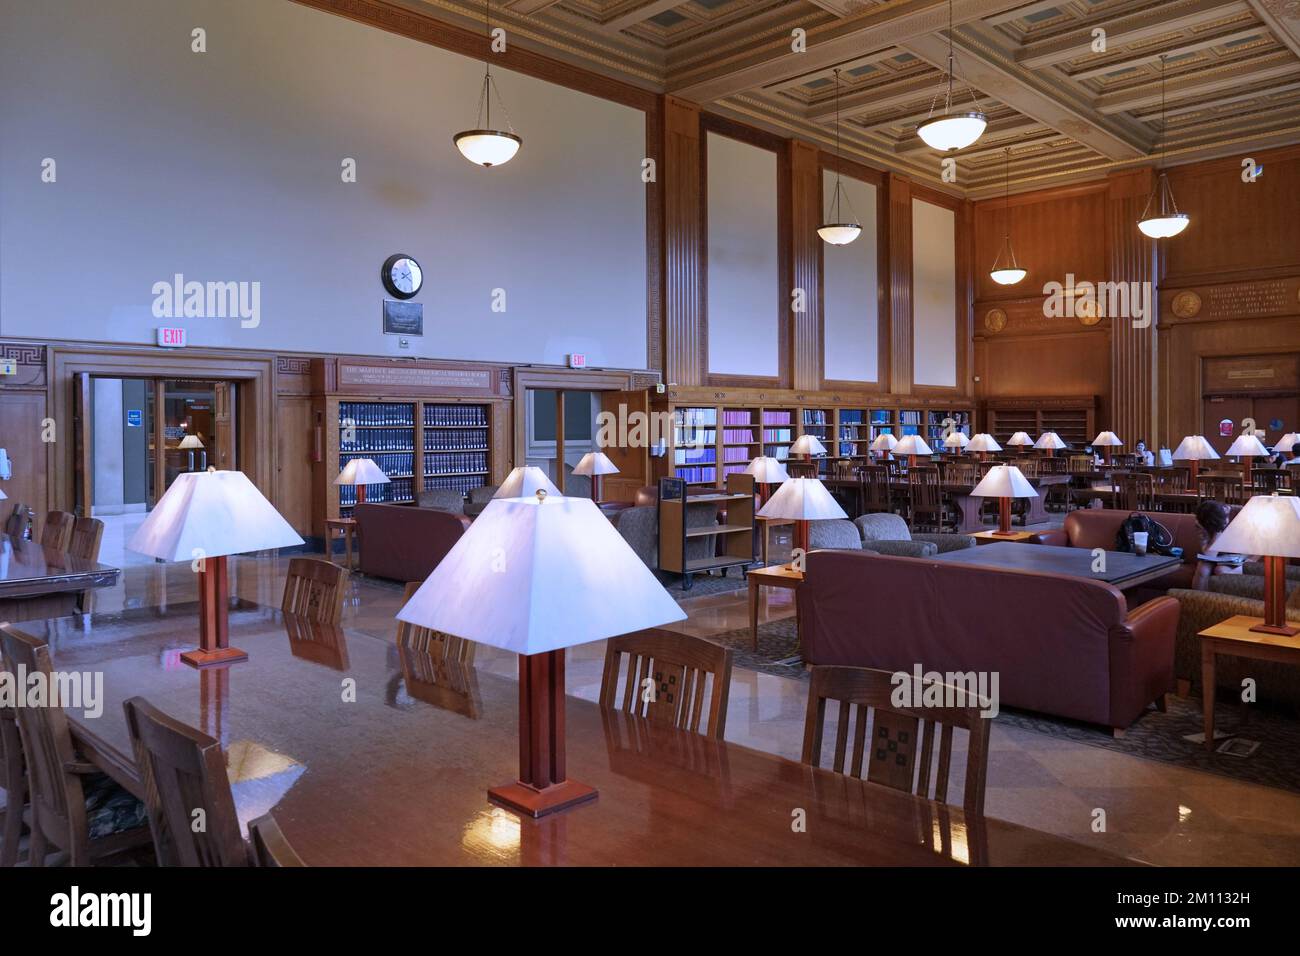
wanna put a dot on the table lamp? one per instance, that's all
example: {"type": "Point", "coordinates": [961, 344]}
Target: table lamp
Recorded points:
{"type": "Point", "coordinates": [807, 445]}
{"type": "Point", "coordinates": [767, 472]}
{"type": "Point", "coordinates": [1267, 525]}
{"type": "Point", "coordinates": [1195, 449]}
{"type": "Point", "coordinates": [208, 515]}
{"type": "Point", "coordinates": [595, 464]}
{"type": "Point", "coordinates": [912, 446]}
{"type": "Point", "coordinates": [1020, 441]}
{"type": "Point", "coordinates": [1246, 447]}
{"type": "Point", "coordinates": [1049, 442]}
{"type": "Point", "coordinates": [524, 481]}
{"type": "Point", "coordinates": [956, 441]}
{"type": "Point", "coordinates": [802, 500]}
{"type": "Point", "coordinates": [190, 443]}
{"type": "Point", "coordinates": [884, 443]}
{"type": "Point", "coordinates": [1004, 482]}
{"type": "Point", "coordinates": [983, 443]}
{"type": "Point", "coordinates": [1286, 444]}
{"type": "Point", "coordinates": [1106, 441]}
{"type": "Point", "coordinates": [361, 472]}
{"type": "Point", "coordinates": [537, 575]}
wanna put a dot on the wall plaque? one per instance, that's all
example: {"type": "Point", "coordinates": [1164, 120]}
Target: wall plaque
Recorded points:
{"type": "Point", "coordinates": [403, 378]}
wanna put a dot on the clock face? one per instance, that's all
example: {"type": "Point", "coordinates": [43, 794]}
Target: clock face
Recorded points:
{"type": "Point", "coordinates": [402, 276]}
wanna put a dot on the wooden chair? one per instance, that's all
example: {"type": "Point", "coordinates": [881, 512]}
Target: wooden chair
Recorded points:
{"type": "Point", "coordinates": [843, 469]}
{"type": "Point", "coordinates": [57, 531]}
{"type": "Point", "coordinates": [13, 779]}
{"type": "Point", "coordinates": [679, 666]}
{"type": "Point", "coordinates": [74, 807]}
{"type": "Point", "coordinates": [896, 733]}
{"type": "Point", "coordinates": [1172, 480]}
{"type": "Point", "coordinates": [962, 473]}
{"type": "Point", "coordinates": [1133, 490]}
{"type": "Point", "coordinates": [925, 498]}
{"type": "Point", "coordinates": [314, 589]}
{"type": "Point", "coordinates": [268, 845]}
{"type": "Point", "coordinates": [19, 520]}
{"type": "Point", "coordinates": [877, 496]}
{"type": "Point", "coordinates": [801, 469]}
{"type": "Point", "coordinates": [1265, 481]}
{"type": "Point", "coordinates": [87, 534]}
{"type": "Point", "coordinates": [1222, 488]}
{"type": "Point", "coordinates": [436, 644]}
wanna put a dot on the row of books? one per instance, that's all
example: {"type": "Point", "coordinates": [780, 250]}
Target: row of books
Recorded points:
{"type": "Point", "coordinates": [454, 439]}
{"type": "Point", "coordinates": [375, 439]}
{"type": "Point", "coordinates": [695, 436]}
{"type": "Point", "coordinates": [737, 416]}
{"type": "Point", "coordinates": [771, 417]}
{"type": "Point", "coordinates": [390, 463]}
{"type": "Point", "coordinates": [445, 463]}
{"type": "Point", "coordinates": [455, 415]}
{"type": "Point", "coordinates": [691, 455]}
{"type": "Point", "coordinates": [702, 474]}
{"type": "Point", "coordinates": [462, 483]}
{"type": "Point", "coordinates": [372, 414]}
{"type": "Point", "coordinates": [397, 490]}
{"type": "Point", "coordinates": [814, 416]}
{"type": "Point", "coordinates": [740, 436]}
{"type": "Point", "coordinates": [778, 434]}
{"type": "Point", "coordinates": [696, 416]}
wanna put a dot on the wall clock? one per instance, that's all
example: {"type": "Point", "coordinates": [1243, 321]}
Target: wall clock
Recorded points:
{"type": "Point", "coordinates": [402, 276]}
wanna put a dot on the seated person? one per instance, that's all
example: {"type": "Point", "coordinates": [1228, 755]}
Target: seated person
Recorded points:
{"type": "Point", "coordinates": [1212, 517]}
{"type": "Point", "coordinates": [1145, 457]}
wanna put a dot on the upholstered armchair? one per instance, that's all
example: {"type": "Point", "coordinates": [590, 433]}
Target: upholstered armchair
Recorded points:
{"type": "Point", "coordinates": [479, 498]}
{"type": "Point", "coordinates": [639, 527]}
{"type": "Point", "coordinates": [442, 499]}
{"type": "Point", "coordinates": [837, 533]}
{"type": "Point", "coordinates": [1257, 568]}
{"type": "Point", "coordinates": [889, 534]}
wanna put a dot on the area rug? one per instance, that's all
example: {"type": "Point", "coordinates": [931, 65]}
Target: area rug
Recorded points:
{"type": "Point", "coordinates": [1155, 736]}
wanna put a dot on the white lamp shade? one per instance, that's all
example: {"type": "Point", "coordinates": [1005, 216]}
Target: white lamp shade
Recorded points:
{"type": "Point", "coordinates": [1106, 440]}
{"type": "Point", "coordinates": [524, 482]}
{"type": "Point", "coordinates": [884, 442]}
{"type": "Point", "coordinates": [211, 514]}
{"type": "Point", "coordinates": [807, 445]}
{"type": "Point", "coordinates": [802, 499]}
{"type": "Point", "coordinates": [189, 442]}
{"type": "Point", "coordinates": [1267, 525]}
{"type": "Point", "coordinates": [955, 131]}
{"type": "Point", "coordinates": [983, 442]}
{"type": "Point", "coordinates": [3, 496]}
{"type": "Point", "coordinates": [1004, 481]}
{"type": "Point", "coordinates": [1248, 446]}
{"type": "Point", "coordinates": [1164, 227]}
{"type": "Point", "coordinates": [1287, 442]}
{"type": "Point", "coordinates": [595, 463]}
{"type": "Point", "coordinates": [361, 471]}
{"type": "Point", "coordinates": [1020, 438]}
{"type": "Point", "coordinates": [532, 576]}
{"type": "Point", "coordinates": [1195, 448]}
{"type": "Point", "coordinates": [956, 440]}
{"type": "Point", "coordinates": [767, 471]}
{"type": "Point", "coordinates": [839, 233]}
{"type": "Point", "coordinates": [1007, 276]}
{"type": "Point", "coordinates": [487, 147]}
{"type": "Point", "coordinates": [1049, 441]}
{"type": "Point", "coordinates": [912, 445]}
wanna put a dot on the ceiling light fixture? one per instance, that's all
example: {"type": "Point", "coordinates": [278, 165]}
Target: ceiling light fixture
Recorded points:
{"type": "Point", "coordinates": [1009, 272]}
{"type": "Point", "coordinates": [837, 230]}
{"type": "Point", "coordinates": [486, 146]}
{"type": "Point", "coordinates": [1165, 220]}
{"type": "Point", "coordinates": [952, 130]}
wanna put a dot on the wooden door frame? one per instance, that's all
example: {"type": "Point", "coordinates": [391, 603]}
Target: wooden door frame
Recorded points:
{"type": "Point", "coordinates": [256, 403]}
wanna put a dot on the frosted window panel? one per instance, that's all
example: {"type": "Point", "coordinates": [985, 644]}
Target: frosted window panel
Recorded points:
{"type": "Point", "coordinates": [934, 294]}
{"type": "Point", "coordinates": [744, 271]}
{"type": "Point", "coordinates": [851, 305]}
{"type": "Point", "coordinates": [226, 166]}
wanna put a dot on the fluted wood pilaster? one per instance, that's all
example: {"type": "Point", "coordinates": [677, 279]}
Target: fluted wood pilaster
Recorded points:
{"type": "Point", "coordinates": [683, 339]}
{"type": "Point", "coordinates": [805, 265]}
{"type": "Point", "coordinates": [897, 209]}
{"type": "Point", "coordinates": [1132, 257]}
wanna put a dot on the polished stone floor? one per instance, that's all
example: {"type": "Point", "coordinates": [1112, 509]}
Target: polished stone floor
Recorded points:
{"type": "Point", "coordinates": [1153, 811]}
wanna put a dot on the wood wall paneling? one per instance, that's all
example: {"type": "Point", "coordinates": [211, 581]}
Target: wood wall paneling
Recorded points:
{"type": "Point", "coordinates": [805, 265]}
{"type": "Point", "coordinates": [896, 209]}
{"type": "Point", "coordinates": [1132, 259]}
{"type": "Point", "coordinates": [683, 331]}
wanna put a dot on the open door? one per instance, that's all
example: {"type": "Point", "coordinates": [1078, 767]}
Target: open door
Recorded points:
{"type": "Point", "coordinates": [82, 478]}
{"type": "Point", "coordinates": [223, 421]}
{"type": "Point", "coordinates": [629, 447]}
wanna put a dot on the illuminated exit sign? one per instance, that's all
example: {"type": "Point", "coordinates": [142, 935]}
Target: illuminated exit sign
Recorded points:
{"type": "Point", "coordinates": [171, 338]}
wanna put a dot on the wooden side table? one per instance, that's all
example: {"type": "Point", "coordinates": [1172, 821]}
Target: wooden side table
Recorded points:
{"type": "Point", "coordinates": [992, 537]}
{"type": "Point", "coordinates": [1235, 638]}
{"type": "Point", "coordinates": [344, 526]}
{"type": "Point", "coordinates": [782, 576]}
{"type": "Point", "coordinates": [765, 525]}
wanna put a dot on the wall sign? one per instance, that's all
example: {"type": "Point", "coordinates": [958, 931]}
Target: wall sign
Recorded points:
{"type": "Point", "coordinates": [134, 418]}
{"type": "Point", "coordinates": [415, 377]}
{"type": "Point", "coordinates": [170, 338]}
{"type": "Point", "coordinates": [403, 318]}
{"type": "Point", "coordinates": [1225, 428]}
{"type": "Point", "coordinates": [8, 366]}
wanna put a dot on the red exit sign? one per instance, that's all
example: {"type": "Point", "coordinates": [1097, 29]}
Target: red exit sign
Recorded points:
{"type": "Point", "coordinates": [171, 338]}
{"type": "Point", "coordinates": [578, 360]}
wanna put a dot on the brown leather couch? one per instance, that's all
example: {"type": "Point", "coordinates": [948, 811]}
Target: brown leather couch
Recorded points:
{"type": "Point", "coordinates": [1098, 528]}
{"type": "Point", "coordinates": [404, 543]}
{"type": "Point", "coordinates": [1060, 645]}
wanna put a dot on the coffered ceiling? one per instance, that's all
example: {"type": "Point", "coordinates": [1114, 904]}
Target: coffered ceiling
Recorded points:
{"type": "Point", "coordinates": [1066, 109]}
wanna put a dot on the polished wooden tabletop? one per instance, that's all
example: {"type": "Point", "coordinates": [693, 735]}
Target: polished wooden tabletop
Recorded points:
{"type": "Point", "coordinates": [1123, 570]}
{"type": "Point", "coordinates": [397, 772]}
{"type": "Point", "coordinates": [27, 570]}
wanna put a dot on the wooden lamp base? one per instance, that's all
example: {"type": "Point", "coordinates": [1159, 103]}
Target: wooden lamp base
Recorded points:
{"type": "Point", "coordinates": [214, 619]}
{"type": "Point", "coordinates": [1004, 519]}
{"type": "Point", "coordinates": [542, 787]}
{"type": "Point", "coordinates": [1275, 599]}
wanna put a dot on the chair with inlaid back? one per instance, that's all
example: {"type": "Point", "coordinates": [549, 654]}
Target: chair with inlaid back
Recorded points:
{"type": "Point", "coordinates": [679, 667]}
{"type": "Point", "coordinates": [1133, 490]}
{"type": "Point", "coordinates": [87, 535]}
{"type": "Point", "coordinates": [801, 469]}
{"type": "Point", "coordinates": [877, 495]}
{"type": "Point", "coordinates": [75, 808]}
{"type": "Point", "coordinates": [17, 519]}
{"type": "Point", "coordinates": [1222, 488]}
{"type": "Point", "coordinates": [426, 640]}
{"type": "Point", "coordinates": [183, 771]}
{"type": "Point", "coordinates": [902, 750]}
{"type": "Point", "coordinates": [925, 498]}
{"type": "Point", "coordinates": [1172, 480]}
{"type": "Point", "coordinates": [844, 469]}
{"type": "Point", "coordinates": [13, 778]}
{"type": "Point", "coordinates": [56, 533]}
{"type": "Point", "coordinates": [962, 473]}
{"type": "Point", "coordinates": [314, 589]}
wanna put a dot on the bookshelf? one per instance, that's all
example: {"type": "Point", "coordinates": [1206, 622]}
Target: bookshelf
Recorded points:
{"type": "Point", "coordinates": [778, 432]}
{"type": "Point", "coordinates": [741, 439]}
{"type": "Point", "coordinates": [1071, 418]}
{"type": "Point", "coordinates": [853, 433]}
{"type": "Point", "coordinates": [820, 423]}
{"type": "Point", "coordinates": [936, 421]}
{"type": "Point", "coordinates": [691, 540]}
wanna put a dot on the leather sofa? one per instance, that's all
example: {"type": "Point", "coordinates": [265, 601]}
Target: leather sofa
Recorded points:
{"type": "Point", "coordinates": [1060, 645]}
{"type": "Point", "coordinates": [404, 543]}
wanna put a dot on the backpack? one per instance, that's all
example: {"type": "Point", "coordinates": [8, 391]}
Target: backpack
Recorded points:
{"type": "Point", "coordinates": [1159, 538]}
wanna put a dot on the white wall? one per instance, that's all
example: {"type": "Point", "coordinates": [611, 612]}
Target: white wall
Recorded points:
{"type": "Point", "coordinates": [744, 265]}
{"type": "Point", "coordinates": [934, 294]}
{"type": "Point", "coordinates": [849, 287]}
{"type": "Point", "coordinates": [225, 166]}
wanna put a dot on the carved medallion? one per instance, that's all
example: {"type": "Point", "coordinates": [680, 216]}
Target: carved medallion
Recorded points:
{"type": "Point", "coordinates": [995, 320]}
{"type": "Point", "coordinates": [1187, 305]}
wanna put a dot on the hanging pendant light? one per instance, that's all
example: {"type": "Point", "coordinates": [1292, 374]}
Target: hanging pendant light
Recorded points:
{"type": "Point", "coordinates": [1161, 218]}
{"type": "Point", "coordinates": [486, 146]}
{"type": "Point", "coordinates": [1006, 272]}
{"type": "Point", "coordinates": [837, 230]}
{"type": "Point", "coordinates": [951, 130]}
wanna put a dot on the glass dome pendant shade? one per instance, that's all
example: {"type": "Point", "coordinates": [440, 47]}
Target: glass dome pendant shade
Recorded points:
{"type": "Point", "coordinates": [837, 230]}
{"type": "Point", "coordinates": [485, 146]}
{"type": "Point", "coordinates": [950, 131]}
{"type": "Point", "coordinates": [1006, 272]}
{"type": "Point", "coordinates": [1164, 221]}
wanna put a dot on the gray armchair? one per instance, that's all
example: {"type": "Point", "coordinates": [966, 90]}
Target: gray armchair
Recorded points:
{"type": "Point", "coordinates": [837, 533]}
{"type": "Point", "coordinates": [479, 498]}
{"type": "Point", "coordinates": [640, 529]}
{"type": "Point", "coordinates": [1257, 568]}
{"type": "Point", "coordinates": [442, 499]}
{"type": "Point", "coordinates": [889, 534]}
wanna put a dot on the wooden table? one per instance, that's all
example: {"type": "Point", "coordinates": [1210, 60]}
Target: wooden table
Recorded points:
{"type": "Point", "coordinates": [1234, 638]}
{"type": "Point", "coordinates": [38, 582]}
{"type": "Point", "coordinates": [346, 527]}
{"type": "Point", "coordinates": [781, 576]}
{"type": "Point", "coordinates": [764, 526]}
{"type": "Point", "coordinates": [992, 537]}
{"type": "Point", "coordinates": [399, 777]}
{"type": "Point", "coordinates": [1123, 570]}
